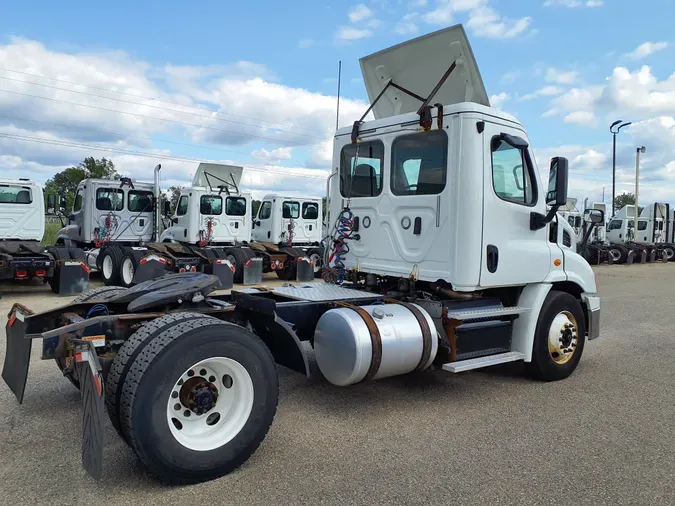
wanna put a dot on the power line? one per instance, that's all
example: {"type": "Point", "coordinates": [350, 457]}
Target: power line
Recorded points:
{"type": "Point", "coordinates": [282, 141]}
{"type": "Point", "coordinates": [145, 154]}
{"type": "Point", "coordinates": [197, 106]}
{"type": "Point", "coordinates": [155, 107]}
{"type": "Point", "coordinates": [202, 146]}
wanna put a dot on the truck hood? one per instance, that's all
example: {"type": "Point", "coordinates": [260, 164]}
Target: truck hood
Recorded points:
{"type": "Point", "coordinates": [212, 175]}
{"type": "Point", "coordinates": [417, 65]}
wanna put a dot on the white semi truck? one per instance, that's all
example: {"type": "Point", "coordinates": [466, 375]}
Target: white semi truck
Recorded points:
{"type": "Point", "coordinates": [121, 226]}
{"type": "Point", "coordinates": [286, 221]}
{"type": "Point", "coordinates": [441, 258]}
{"type": "Point", "coordinates": [651, 237]}
{"type": "Point", "coordinates": [22, 227]}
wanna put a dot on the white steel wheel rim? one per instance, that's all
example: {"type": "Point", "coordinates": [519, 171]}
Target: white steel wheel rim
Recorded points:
{"type": "Point", "coordinates": [127, 270]}
{"type": "Point", "coordinates": [316, 261]}
{"type": "Point", "coordinates": [230, 410]}
{"type": "Point", "coordinates": [669, 253]}
{"type": "Point", "coordinates": [616, 254]}
{"type": "Point", "coordinates": [563, 337]}
{"type": "Point", "coordinates": [107, 267]}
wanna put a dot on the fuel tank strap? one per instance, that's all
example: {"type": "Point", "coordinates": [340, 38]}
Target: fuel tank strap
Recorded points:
{"type": "Point", "coordinates": [375, 339]}
{"type": "Point", "coordinates": [426, 334]}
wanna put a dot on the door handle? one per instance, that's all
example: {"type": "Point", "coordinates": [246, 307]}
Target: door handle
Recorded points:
{"type": "Point", "coordinates": [492, 258]}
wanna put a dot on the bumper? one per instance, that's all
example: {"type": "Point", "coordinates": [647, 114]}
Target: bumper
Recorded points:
{"type": "Point", "coordinates": [592, 307]}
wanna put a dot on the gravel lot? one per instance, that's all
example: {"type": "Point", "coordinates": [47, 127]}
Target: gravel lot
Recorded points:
{"type": "Point", "coordinates": [604, 436]}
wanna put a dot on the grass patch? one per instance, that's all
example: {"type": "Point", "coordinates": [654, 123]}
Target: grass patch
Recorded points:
{"type": "Point", "coordinates": [51, 229]}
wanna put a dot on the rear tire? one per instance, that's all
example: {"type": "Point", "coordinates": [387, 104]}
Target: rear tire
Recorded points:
{"type": "Point", "coordinates": [157, 381]}
{"type": "Point", "coordinates": [102, 293]}
{"type": "Point", "coordinates": [556, 352]}
{"type": "Point", "coordinates": [128, 266]}
{"type": "Point", "coordinates": [238, 257]}
{"type": "Point", "coordinates": [669, 252]}
{"type": "Point", "coordinates": [110, 261]}
{"type": "Point", "coordinates": [316, 256]}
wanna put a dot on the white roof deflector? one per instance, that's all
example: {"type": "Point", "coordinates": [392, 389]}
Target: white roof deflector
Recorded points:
{"type": "Point", "coordinates": [217, 176]}
{"type": "Point", "coordinates": [418, 65]}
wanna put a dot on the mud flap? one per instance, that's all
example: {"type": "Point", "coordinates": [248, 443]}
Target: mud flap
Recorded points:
{"type": "Point", "coordinates": [73, 278]}
{"type": "Point", "coordinates": [17, 357]}
{"type": "Point", "coordinates": [224, 270]}
{"type": "Point", "coordinates": [91, 388]}
{"type": "Point", "coordinates": [304, 270]}
{"type": "Point", "coordinates": [253, 271]}
{"type": "Point", "coordinates": [149, 267]}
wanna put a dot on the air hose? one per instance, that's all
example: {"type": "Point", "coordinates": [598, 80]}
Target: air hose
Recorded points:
{"type": "Point", "coordinates": [203, 241]}
{"type": "Point", "coordinates": [344, 226]}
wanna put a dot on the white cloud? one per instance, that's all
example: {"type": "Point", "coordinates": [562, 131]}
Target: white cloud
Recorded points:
{"type": "Point", "coordinates": [574, 3]}
{"type": "Point", "coordinates": [546, 91]}
{"type": "Point", "coordinates": [374, 23]}
{"type": "Point", "coordinates": [229, 106]}
{"type": "Point", "coordinates": [510, 77]}
{"type": "Point", "coordinates": [582, 118]}
{"type": "Point", "coordinates": [272, 156]}
{"type": "Point", "coordinates": [347, 33]}
{"type": "Point", "coordinates": [417, 3]}
{"type": "Point", "coordinates": [483, 21]}
{"type": "Point", "coordinates": [558, 76]}
{"type": "Point", "coordinates": [305, 43]}
{"type": "Point", "coordinates": [498, 100]}
{"type": "Point", "coordinates": [407, 25]}
{"type": "Point", "coordinates": [359, 13]}
{"type": "Point", "coordinates": [646, 49]}
{"type": "Point", "coordinates": [486, 22]}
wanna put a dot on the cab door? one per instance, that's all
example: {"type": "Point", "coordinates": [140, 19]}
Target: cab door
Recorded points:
{"type": "Point", "coordinates": [263, 228]}
{"type": "Point", "coordinates": [513, 254]}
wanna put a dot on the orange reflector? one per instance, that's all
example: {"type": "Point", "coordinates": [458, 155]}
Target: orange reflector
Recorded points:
{"type": "Point", "coordinates": [557, 262]}
{"type": "Point", "coordinates": [85, 267]}
{"type": "Point", "coordinates": [12, 319]}
{"type": "Point", "coordinates": [248, 264]}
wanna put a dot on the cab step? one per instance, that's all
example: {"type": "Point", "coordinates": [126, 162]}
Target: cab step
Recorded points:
{"type": "Point", "coordinates": [477, 363]}
{"type": "Point", "coordinates": [492, 312]}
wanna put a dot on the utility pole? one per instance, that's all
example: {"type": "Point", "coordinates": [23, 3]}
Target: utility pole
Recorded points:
{"type": "Point", "coordinates": [637, 185]}
{"type": "Point", "coordinates": [614, 133]}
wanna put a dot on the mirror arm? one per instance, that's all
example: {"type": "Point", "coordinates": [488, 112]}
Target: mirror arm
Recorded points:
{"type": "Point", "coordinates": [587, 235]}
{"type": "Point", "coordinates": [539, 221]}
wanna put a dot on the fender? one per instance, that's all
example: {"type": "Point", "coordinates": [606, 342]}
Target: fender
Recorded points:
{"type": "Point", "coordinates": [532, 296]}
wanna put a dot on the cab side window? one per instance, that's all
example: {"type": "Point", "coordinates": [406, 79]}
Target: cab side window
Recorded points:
{"type": "Point", "coordinates": [511, 173]}
{"type": "Point", "coordinates": [77, 205]}
{"type": "Point", "coordinates": [182, 208]}
{"type": "Point", "coordinates": [265, 210]}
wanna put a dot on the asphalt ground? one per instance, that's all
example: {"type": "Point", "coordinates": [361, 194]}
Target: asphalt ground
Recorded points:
{"type": "Point", "coordinates": [606, 435]}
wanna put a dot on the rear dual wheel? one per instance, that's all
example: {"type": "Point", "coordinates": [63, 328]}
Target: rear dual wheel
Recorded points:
{"type": "Point", "coordinates": [192, 395]}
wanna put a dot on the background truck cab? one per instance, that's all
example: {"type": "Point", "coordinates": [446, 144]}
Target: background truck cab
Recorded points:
{"type": "Point", "coordinates": [283, 219]}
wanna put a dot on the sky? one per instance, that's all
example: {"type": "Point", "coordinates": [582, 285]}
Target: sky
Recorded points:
{"type": "Point", "coordinates": [255, 84]}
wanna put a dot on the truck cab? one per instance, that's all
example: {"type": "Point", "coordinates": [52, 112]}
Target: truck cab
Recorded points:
{"type": "Point", "coordinates": [458, 199]}
{"type": "Point", "coordinates": [289, 220]}
{"type": "Point", "coordinates": [22, 210]}
{"type": "Point", "coordinates": [653, 225]}
{"type": "Point", "coordinates": [213, 211]}
{"type": "Point", "coordinates": [109, 210]}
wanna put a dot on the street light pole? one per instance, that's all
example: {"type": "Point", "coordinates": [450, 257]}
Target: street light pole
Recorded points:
{"type": "Point", "coordinates": [637, 185]}
{"type": "Point", "coordinates": [614, 133]}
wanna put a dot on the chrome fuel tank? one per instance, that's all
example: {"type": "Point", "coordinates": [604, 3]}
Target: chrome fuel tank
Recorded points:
{"type": "Point", "coordinates": [358, 343]}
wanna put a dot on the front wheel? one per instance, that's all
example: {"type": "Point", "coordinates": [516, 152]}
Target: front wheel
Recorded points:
{"type": "Point", "coordinates": [198, 399]}
{"type": "Point", "coordinates": [559, 337]}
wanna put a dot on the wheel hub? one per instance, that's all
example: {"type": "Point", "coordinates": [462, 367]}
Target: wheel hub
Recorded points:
{"type": "Point", "coordinates": [198, 395]}
{"type": "Point", "coordinates": [563, 338]}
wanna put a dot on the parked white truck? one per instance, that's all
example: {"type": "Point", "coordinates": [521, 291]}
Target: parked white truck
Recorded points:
{"type": "Point", "coordinates": [22, 227]}
{"type": "Point", "coordinates": [441, 257]}
{"type": "Point", "coordinates": [121, 228]}
{"type": "Point", "coordinates": [654, 228]}
{"type": "Point", "coordinates": [288, 221]}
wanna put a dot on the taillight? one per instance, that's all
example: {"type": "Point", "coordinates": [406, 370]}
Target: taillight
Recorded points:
{"type": "Point", "coordinates": [21, 274]}
{"type": "Point", "coordinates": [40, 273]}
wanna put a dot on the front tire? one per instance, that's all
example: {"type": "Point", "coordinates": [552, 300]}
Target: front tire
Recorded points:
{"type": "Point", "coordinates": [559, 337]}
{"type": "Point", "coordinates": [172, 387]}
